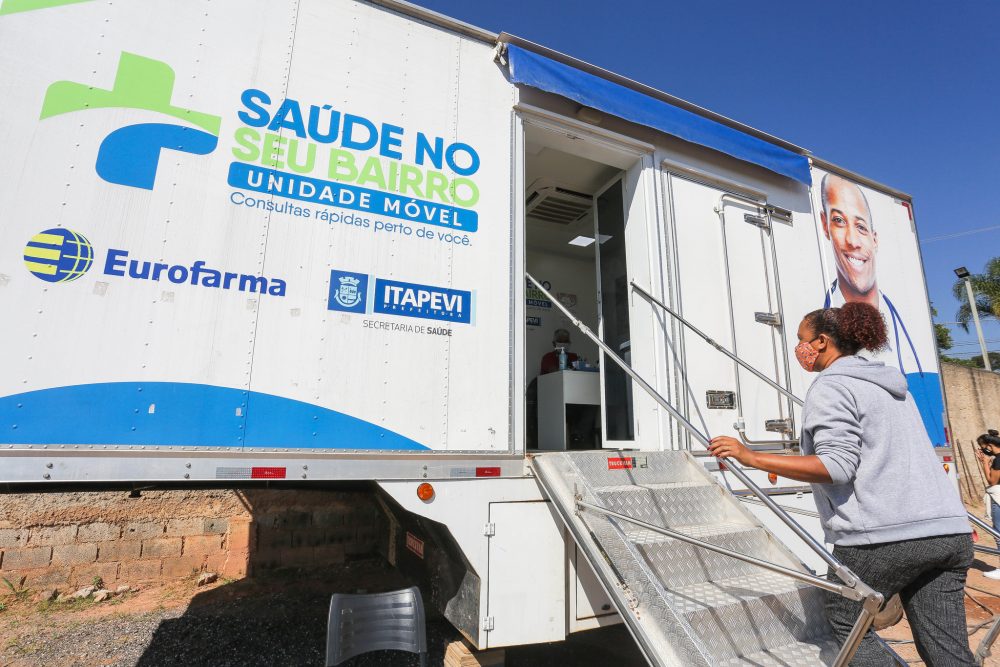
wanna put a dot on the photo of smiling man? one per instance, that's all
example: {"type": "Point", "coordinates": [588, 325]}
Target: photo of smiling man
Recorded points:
{"type": "Point", "coordinates": [847, 223]}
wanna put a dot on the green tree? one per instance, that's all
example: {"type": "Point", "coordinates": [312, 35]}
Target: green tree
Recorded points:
{"type": "Point", "coordinates": [974, 361]}
{"type": "Point", "coordinates": [941, 333]}
{"type": "Point", "coordinates": [986, 287]}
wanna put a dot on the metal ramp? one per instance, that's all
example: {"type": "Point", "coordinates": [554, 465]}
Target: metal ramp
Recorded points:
{"type": "Point", "coordinates": [687, 605]}
{"type": "Point", "coordinates": [697, 579]}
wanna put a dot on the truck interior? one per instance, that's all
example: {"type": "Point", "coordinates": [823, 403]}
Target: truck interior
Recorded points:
{"type": "Point", "coordinates": [574, 247]}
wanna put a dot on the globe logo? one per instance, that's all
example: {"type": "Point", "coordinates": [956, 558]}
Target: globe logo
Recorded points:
{"type": "Point", "coordinates": [58, 255]}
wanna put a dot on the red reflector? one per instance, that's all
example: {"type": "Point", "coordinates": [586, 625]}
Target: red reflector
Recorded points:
{"type": "Point", "coordinates": [488, 472]}
{"type": "Point", "coordinates": [267, 473]}
{"type": "Point", "coordinates": [975, 535]}
{"type": "Point", "coordinates": [946, 458]}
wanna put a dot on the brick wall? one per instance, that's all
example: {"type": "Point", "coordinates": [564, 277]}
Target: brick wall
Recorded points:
{"type": "Point", "coordinates": [71, 538]}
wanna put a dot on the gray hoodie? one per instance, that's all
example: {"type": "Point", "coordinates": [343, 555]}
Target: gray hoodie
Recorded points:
{"type": "Point", "coordinates": [888, 484]}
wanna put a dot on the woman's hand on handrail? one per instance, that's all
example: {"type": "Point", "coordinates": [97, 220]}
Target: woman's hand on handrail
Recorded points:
{"type": "Point", "coordinates": [800, 468]}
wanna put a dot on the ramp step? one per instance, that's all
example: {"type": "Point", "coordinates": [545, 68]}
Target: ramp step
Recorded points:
{"type": "Point", "coordinates": [677, 563]}
{"type": "Point", "coordinates": [701, 531]}
{"type": "Point", "coordinates": [669, 505]}
{"type": "Point", "coordinates": [639, 487]}
{"type": "Point", "coordinates": [797, 654]}
{"type": "Point", "coordinates": [741, 616]}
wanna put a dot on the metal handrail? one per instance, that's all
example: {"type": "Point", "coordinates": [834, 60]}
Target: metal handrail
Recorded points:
{"type": "Point", "coordinates": [652, 299]}
{"type": "Point", "coordinates": [708, 339]}
{"type": "Point", "coordinates": [739, 427]}
{"type": "Point", "coordinates": [819, 582]}
{"type": "Point", "coordinates": [872, 599]}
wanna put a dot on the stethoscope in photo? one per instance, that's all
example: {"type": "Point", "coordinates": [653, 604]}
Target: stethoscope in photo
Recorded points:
{"type": "Point", "coordinates": [897, 324]}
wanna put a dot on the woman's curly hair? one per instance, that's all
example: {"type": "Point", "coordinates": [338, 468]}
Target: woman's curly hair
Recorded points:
{"type": "Point", "coordinates": [852, 327]}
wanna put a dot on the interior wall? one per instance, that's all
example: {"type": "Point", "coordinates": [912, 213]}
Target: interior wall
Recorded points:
{"type": "Point", "coordinates": [573, 281]}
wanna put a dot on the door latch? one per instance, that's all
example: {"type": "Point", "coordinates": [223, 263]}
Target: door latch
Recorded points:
{"type": "Point", "coordinates": [778, 426]}
{"type": "Point", "coordinates": [756, 220]}
{"type": "Point", "coordinates": [771, 319]}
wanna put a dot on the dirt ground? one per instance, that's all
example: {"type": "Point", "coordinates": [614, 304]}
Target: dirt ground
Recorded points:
{"type": "Point", "coordinates": [281, 620]}
{"type": "Point", "coordinates": [278, 620]}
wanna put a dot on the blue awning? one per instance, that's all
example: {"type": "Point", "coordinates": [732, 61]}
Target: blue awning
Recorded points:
{"type": "Point", "coordinates": [546, 74]}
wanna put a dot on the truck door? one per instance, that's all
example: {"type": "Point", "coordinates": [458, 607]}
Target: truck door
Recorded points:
{"type": "Point", "coordinates": [622, 232]}
{"type": "Point", "coordinates": [726, 285]}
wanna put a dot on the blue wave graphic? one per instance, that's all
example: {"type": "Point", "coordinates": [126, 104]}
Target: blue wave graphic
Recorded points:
{"type": "Point", "coordinates": [181, 414]}
{"type": "Point", "coordinates": [926, 391]}
{"type": "Point", "coordinates": [130, 155]}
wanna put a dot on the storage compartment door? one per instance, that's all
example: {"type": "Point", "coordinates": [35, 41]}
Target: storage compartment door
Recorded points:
{"type": "Point", "coordinates": [526, 592]}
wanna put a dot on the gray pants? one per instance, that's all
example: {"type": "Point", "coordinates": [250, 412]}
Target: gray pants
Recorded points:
{"type": "Point", "coordinates": [929, 575]}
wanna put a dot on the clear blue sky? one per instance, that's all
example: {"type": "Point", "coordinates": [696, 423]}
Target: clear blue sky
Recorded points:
{"type": "Point", "coordinates": [904, 92]}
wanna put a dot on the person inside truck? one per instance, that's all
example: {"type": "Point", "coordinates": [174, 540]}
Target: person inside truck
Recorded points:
{"type": "Point", "coordinates": [988, 454]}
{"type": "Point", "coordinates": [848, 225]}
{"type": "Point", "coordinates": [550, 361]}
{"type": "Point", "coordinates": [892, 514]}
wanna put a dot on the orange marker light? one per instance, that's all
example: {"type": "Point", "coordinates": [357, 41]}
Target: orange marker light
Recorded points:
{"type": "Point", "coordinates": [425, 492]}
{"type": "Point", "coordinates": [772, 478]}
{"type": "Point", "coordinates": [947, 467]}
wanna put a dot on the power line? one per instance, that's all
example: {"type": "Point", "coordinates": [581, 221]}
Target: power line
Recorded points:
{"type": "Point", "coordinates": [955, 235]}
{"type": "Point", "coordinates": [966, 353]}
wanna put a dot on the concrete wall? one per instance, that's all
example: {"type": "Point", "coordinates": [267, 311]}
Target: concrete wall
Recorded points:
{"type": "Point", "coordinates": [68, 539]}
{"type": "Point", "coordinates": [973, 407]}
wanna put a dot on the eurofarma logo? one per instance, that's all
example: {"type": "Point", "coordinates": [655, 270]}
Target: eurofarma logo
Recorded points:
{"type": "Point", "coordinates": [58, 255]}
{"type": "Point", "coordinates": [118, 263]}
{"type": "Point", "coordinates": [130, 155]}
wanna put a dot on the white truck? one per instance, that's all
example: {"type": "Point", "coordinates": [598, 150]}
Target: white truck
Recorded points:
{"type": "Point", "coordinates": [291, 240]}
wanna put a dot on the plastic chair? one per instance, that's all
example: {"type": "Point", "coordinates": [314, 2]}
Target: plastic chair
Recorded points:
{"type": "Point", "coordinates": [362, 623]}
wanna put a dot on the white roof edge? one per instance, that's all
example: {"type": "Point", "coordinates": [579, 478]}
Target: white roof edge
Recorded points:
{"type": "Point", "coordinates": [469, 30]}
{"type": "Point", "coordinates": [436, 18]}
{"type": "Point", "coordinates": [863, 180]}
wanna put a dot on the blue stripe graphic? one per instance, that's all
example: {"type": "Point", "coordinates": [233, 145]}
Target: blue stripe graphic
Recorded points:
{"type": "Point", "coordinates": [181, 414]}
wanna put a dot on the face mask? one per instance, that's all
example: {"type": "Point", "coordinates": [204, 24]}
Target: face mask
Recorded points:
{"type": "Point", "coordinates": [806, 354]}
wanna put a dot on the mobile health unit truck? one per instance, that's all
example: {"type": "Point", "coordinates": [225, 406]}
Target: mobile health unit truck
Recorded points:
{"type": "Point", "coordinates": [320, 240]}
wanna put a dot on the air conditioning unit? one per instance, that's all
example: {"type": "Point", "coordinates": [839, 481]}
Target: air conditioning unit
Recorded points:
{"type": "Point", "coordinates": [551, 202]}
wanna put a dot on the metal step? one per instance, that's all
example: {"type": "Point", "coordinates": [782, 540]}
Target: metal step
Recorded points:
{"type": "Point", "coordinates": [762, 611]}
{"type": "Point", "coordinates": [677, 563]}
{"type": "Point", "coordinates": [683, 603]}
{"type": "Point", "coordinates": [821, 652]}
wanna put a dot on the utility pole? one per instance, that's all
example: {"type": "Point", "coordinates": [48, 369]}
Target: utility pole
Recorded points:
{"type": "Point", "coordinates": [963, 274]}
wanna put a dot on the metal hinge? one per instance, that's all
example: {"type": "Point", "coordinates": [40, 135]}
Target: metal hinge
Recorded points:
{"type": "Point", "coordinates": [487, 624]}
{"type": "Point", "coordinates": [756, 220]}
{"type": "Point", "coordinates": [778, 426]}
{"type": "Point", "coordinates": [490, 529]}
{"type": "Point", "coordinates": [772, 319]}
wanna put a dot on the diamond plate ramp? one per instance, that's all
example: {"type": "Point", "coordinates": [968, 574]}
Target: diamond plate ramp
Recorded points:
{"type": "Point", "coordinates": [686, 605]}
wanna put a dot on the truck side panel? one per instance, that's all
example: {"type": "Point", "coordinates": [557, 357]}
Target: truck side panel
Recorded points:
{"type": "Point", "coordinates": [253, 226]}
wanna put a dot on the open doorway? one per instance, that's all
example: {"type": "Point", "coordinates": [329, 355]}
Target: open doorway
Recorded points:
{"type": "Point", "coordinates": [575, 218]}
